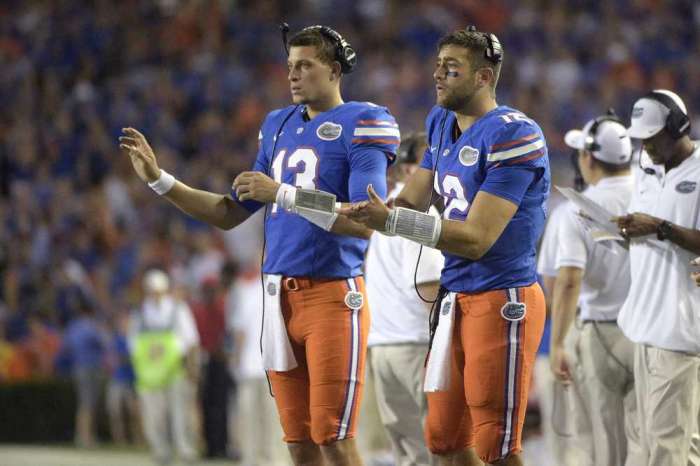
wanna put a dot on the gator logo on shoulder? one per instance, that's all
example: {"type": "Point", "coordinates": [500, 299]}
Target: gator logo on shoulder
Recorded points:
{"type": "Point", "coordinates": [513, 311]}
{"type": "Point", "coordinates": [354, 300]}
{"type": "Point", "coordinates": [329, 131]}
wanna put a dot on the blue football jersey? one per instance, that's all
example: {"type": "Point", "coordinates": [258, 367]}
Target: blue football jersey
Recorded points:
{"type": "Point", "coordinates": [503, 153]}
{"type": "Point", "coordinates": [340, 151]}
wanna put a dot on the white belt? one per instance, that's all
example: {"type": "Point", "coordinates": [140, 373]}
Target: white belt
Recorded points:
{"type": "Point", "coordinates": [277, 351]}
{"type": "Point", "coordinates": [437, 372]}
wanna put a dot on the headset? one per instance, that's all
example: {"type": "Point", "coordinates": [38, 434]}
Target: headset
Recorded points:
{"type": "Point", "coordinates": [344, 53]}
{"type": "Point", "coordinates": [494, 50]}
{"type": "Point", "coordinates": [590, 143]}
{"type": "Point", "coordinates": [677, 123]}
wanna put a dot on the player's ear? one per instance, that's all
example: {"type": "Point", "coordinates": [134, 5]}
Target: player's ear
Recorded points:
{"type": "Point", "coordinates": [335, 71]}
{"type": "Point", "coordinates": [484, 76]}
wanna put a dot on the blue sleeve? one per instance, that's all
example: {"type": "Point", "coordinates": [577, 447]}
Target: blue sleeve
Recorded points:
{"type": "Point", "coordinates": [374, 129]}
{"type": "Point", "coordinates": [517, 155]}
{"type": "Point", "coordinates": [508, 182]}
{"type": "Point", "coordinates": [367, 167]}
{"type": "Point", "coordinates": [517, 143]}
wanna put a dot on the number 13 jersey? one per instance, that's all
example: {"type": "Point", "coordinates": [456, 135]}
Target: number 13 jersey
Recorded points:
{"type": "Point", "coordinates": [503, 153]}
{"type": "Point", "coordinates": [339, 151]}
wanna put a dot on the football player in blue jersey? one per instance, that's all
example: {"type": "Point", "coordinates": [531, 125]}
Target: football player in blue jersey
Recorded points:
{"type": "Point", "coordinates": [489, 163]}
{"type": "Point", "coordinates": [316, 320]}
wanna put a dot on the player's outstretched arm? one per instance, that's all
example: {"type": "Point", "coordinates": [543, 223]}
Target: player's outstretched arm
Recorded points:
{"type": "Point", "coordinates": [215, 209]}
{"type": "Point", "coordinates": [488, 217]}
{"type": "Point", "coordinates": [345, 226]}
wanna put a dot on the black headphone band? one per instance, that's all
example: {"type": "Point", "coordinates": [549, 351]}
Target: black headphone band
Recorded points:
{"type": "Point", "coordinates": [664, 100]}
{"type": "Point", "coordinates": [344, 53]}
{"type": "Point", "coordinates": [677, 121]}
{"type": "Point", "coordinates": [494, 50]}
{"type": "Point", "coordinates": [592, 145]}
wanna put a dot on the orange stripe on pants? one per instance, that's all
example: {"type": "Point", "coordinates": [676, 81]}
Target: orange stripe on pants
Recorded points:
{"type": "Point", "coordinates": [319, 399]}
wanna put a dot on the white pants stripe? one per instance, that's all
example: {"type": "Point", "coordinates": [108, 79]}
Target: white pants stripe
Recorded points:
{"type": "Point", "coordinates": [511, 377]}
{"type": "Point", "coordinates": [351, 393]}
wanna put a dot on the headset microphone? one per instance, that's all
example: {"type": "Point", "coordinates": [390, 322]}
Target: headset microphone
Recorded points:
{"type": "Point", "coordinates": [647, 170]}
{"type": "Point", "coordinates": [284, 29]}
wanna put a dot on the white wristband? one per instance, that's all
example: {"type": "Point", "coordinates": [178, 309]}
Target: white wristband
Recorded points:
{"type": "Point", "coordinates": [286, 195]}
{"type": "Point", "coordinates": [163, 184]}
{"type": "Point", "coordinates": [414, 225]}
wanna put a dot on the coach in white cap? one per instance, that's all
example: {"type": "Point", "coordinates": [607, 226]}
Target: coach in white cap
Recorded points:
{"type": "Point", "coordinates": [594, 277]}
{"type": "Point", "coordinates": [662, 311]}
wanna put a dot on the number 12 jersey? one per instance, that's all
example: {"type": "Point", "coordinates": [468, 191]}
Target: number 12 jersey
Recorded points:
{"type": "Point", "coordinates": [503, 153]}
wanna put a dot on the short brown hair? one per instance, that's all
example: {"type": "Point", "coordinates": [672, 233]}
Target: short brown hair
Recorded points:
{"type": "Point", "coordinates": [476, 43]}
{"type": "Point", "coordinates": [313, 37]}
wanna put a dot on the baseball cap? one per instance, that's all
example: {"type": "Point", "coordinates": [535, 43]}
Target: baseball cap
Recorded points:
{"type": "Point", "coordinates": [649, 115]}
{"type": "Point", "coordinates": [156, 281]}
{"type": "Point", "coordinates": [610, 143]}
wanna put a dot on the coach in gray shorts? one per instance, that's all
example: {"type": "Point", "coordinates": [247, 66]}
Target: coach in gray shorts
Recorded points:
{"type": "Point", "coordinates": [594, 275]}
{"type": "Point", "coordinates": [662, 311]}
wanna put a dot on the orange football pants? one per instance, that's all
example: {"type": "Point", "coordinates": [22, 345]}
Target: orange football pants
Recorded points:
{"type": "Point", "coordinates": [319, 399]}
{"type": "Point", "coordinates": [493, 354]}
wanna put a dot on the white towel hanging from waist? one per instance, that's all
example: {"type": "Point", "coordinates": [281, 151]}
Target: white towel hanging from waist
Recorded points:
{"type": "Point", "coordinates": [277, 351]}
{"type": "Point", "coordinates": [437, 372]}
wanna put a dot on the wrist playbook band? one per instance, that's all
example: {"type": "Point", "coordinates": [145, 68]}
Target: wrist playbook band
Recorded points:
{"type": "Point", "coordinates": [417, 226]}
{"type": "Point", "coordinates": [318, 207]}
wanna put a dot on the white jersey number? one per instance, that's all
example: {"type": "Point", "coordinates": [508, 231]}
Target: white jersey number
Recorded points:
{"type": "Point", "coordinates": [303, 162]}
{"type": "Point", "coordinates": [455, 199]}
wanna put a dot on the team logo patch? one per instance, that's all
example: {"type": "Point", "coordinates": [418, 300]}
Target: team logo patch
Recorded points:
{"type": "Point", "coordinates": [685, 187]}
{"type": "Point", "coordinates": [513, 311]}
{"type": "Point", "coordinates": [637, 112]}
{"type": "Point", "coordinates": [468, 156]}
{"type": "Point", "coordinates": [354, 300]}
{"type": "Point", "coordinates": [446, 308]}
{"type": "Point", "coordinates": [329, 131]}
{"type": "Point", "coordinates": [271, 289]}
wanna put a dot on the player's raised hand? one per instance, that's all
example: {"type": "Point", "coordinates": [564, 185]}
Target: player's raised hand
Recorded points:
{"type": "Point", "coordinates": [142, 157]}
{"type": "Point", "coordinates": [371, 213]}
{"type": "Point", "coordinates": [255, 186]}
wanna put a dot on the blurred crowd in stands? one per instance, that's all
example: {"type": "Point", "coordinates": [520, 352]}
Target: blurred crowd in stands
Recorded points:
{"type": "Point", "coordinates": [77, 229]}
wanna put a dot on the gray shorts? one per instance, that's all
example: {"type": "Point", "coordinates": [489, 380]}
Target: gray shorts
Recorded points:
{"type": "Point", "coordinates": [87, 385]}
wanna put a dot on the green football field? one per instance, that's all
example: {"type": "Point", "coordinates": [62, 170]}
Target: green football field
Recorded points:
{"type": "Point", "coordinates": [32, 455]}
